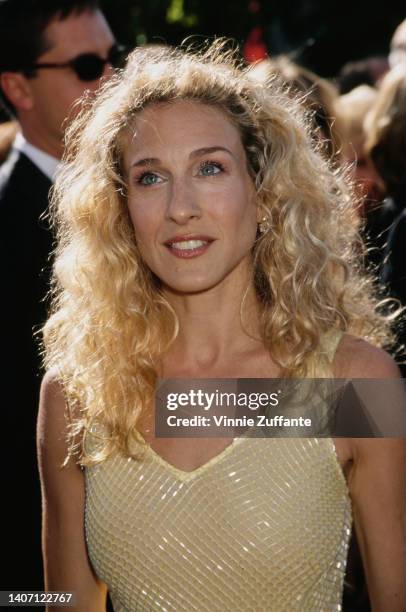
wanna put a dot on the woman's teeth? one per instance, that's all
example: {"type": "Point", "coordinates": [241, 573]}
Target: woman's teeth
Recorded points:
{"type": "Point", "coordinates": [188, 244]}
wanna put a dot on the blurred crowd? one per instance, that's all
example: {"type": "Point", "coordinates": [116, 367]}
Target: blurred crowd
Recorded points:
{"type": "Point", "coordinates": [50, 56]}
{"type": "Point", "coordinates": [359, 120]}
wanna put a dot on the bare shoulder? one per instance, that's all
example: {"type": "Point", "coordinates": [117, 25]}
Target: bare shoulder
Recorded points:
{"type": "Point", "coordinates": [376, 474]}
{"type": "Point", "coordinates": [53, 419]}
{"type": "Point", "coordinates": [357, 358]}
{"type": "Point", "coordinates": [66, 562]}
{"type": "Point", "coordinates": [51, 386]}
{"type": "Point", "coordinates": [52, 402]}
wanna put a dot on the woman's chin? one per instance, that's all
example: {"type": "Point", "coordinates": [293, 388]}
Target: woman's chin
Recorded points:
{"type": "Point", "coordinates": [192, 286]}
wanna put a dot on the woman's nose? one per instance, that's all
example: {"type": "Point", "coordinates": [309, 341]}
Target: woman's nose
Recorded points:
{"type": "Point", "coordinates": [183, 204]}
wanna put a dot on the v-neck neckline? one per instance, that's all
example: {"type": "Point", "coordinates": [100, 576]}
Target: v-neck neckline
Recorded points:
{"type": "Point", "coordinates": [186, 475]}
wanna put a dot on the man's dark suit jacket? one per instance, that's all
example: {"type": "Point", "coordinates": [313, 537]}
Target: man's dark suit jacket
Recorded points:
{"type": "Point", "coordinates": [25, 248]}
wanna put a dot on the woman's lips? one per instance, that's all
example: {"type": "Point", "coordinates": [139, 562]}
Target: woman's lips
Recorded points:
{"type": "Point", "coordinates": [186, 248]}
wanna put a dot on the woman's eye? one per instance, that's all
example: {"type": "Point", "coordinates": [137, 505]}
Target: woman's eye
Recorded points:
{"type": "Point", "coordinates": [148, 178]}
{"type": "Point", "coordinates": [210, 168]}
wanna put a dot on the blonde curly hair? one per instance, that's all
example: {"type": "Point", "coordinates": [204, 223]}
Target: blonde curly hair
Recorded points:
{"type": "Point", "coordinates": [110, 322]}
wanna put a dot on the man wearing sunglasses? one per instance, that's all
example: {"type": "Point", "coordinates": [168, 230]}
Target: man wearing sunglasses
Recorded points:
{"type": "Point", "coordinates": [51, 51]}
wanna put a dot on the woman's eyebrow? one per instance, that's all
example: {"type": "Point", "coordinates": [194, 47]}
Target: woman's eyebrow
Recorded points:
{"type": "Point", "coordinates": [148, 161]}
{"type": "Point", "coordinates": [208, 150]}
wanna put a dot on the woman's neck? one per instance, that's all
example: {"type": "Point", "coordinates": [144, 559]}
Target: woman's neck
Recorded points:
{"type": "Point", "coordinates": [215, 326]}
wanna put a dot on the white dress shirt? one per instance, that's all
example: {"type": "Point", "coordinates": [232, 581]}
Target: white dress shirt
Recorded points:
{"type": "Point", "coordinates": [44, 162]}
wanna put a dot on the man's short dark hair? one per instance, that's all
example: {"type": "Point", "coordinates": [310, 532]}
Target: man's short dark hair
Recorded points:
{"type": "Point", "coordinates": [22, 26]}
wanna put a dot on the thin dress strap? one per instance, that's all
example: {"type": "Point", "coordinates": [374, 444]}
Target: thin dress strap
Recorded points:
{"type": "Point", "coordinates": [330, 343]}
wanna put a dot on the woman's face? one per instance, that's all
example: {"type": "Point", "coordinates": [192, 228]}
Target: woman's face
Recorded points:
{"type": "Point", "coordinates": [190, 197]}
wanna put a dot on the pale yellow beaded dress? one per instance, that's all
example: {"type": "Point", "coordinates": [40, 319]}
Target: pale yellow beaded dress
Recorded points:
{"type": "Point", "coordinates": [264, 525]}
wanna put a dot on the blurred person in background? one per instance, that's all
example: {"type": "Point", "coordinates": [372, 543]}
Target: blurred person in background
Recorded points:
{"type": "Point", "coordinates": [317, 94]}
{"type": "Point", "coordinates": [51, 52]}
{"type": "Point", "coordinates": [386, 145]}
{"type": "Point", "coordinates": [352, 108]}
{"type": "Point", "coordinates": [397, 53]}
{"type": "Point", "coordinates": [368, 71]}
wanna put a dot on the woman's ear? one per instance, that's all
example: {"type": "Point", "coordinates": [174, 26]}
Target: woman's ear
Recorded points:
{"type": "Point", "coordinates": [16, 87]}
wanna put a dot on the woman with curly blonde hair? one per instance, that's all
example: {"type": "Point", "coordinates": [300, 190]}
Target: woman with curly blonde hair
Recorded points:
{"type": "Point", "coordinates": [202, 235]}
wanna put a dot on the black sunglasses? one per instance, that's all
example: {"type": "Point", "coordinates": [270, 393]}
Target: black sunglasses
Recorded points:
{"type": "Point", "coordinates": [89, 66]}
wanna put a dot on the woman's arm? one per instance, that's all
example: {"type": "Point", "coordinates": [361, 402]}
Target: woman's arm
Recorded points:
{"type": "Point", "coordinates": [66, 564]}
{"type": "Point", "coordinates": [377, 484]}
